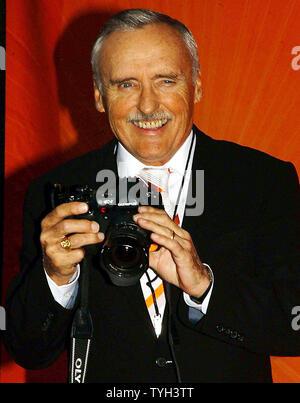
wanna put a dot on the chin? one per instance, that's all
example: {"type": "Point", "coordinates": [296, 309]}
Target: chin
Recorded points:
{"type": "Point", "coordinates": [152, 159]}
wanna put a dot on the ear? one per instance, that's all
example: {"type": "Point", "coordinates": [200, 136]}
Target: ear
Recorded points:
{"type": "Point", "coordinates": [98, 98]}
{"type": "Point", "coordinates": [198, 88]}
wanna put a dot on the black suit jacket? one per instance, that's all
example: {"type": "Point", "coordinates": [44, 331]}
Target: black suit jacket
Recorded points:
{"type": "Point", "coordinates": [248, 234]}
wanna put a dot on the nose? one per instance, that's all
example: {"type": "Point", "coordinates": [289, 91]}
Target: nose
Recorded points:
{"type": "Point", "coordinates": [148, 101]}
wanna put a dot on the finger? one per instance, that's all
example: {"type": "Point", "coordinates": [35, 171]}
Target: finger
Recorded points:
{"type": "Point", "coordinates": [79, 240]}
{"type": "Point", "coordinates": [155, 227]}
{"type": "Point", "coordinates": [150, 209]}
{"type": "Point", "coordinates": [173, 245]}
{"type": "Point", "coordinates": [154, 259]}
{"type": "Point", "coordinates": [66, 227]}
{"type": "Point", "coordinates": [62, 211]}
{"type": "Point", "coordinates": [163, 220]}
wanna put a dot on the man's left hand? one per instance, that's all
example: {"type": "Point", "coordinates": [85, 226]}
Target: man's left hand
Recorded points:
{"type": "Point", "coordinates": [177, 260]}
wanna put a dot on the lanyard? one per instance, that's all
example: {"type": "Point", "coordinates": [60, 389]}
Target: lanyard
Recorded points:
{"type": "Point", "coordinates": [184, 176]}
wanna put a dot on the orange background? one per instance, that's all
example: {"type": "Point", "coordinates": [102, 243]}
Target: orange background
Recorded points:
{"type": "Point", "coordinates": [251, 96]}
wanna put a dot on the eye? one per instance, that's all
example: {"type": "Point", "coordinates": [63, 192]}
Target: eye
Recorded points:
{"type": "Point", "coordinates": [168, 82]}
{"type": "Point", "coordinates": [126, 85]}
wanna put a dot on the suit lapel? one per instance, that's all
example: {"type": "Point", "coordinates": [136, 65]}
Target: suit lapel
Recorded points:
{"type": "Point", "coordinates": [204, 159]}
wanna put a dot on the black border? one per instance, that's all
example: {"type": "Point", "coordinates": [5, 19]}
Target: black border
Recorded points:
{"type": "Point", "coordinates": [2, 133]}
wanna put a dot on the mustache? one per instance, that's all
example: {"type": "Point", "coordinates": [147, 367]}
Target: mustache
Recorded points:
{"type": "Point", "coordinates": [140, 116]}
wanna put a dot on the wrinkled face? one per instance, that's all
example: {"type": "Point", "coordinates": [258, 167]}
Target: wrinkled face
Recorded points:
{"type": "Point", "coordinates": [148, 92]}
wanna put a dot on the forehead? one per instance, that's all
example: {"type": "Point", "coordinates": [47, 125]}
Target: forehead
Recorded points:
{"type": "Point", "coordinates": [153, 47]}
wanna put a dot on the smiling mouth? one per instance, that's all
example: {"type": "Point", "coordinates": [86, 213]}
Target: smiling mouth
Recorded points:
{"type": "Point", "coordinates": [150, 124]}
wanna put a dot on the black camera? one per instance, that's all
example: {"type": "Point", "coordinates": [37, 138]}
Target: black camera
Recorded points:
{"type": "Point", "coordinates": [124, 254]}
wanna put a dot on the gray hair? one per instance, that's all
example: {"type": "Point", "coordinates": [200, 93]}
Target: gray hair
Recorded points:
{"type": "Point", "coordinates": [129, 20]}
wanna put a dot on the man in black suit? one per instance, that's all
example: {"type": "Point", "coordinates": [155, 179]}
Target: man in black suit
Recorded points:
{"type": "Point", "coordinates": [231, 274]}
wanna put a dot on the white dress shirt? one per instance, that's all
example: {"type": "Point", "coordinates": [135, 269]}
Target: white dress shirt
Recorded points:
{"type": "Point", "coordinates": [129, 166]}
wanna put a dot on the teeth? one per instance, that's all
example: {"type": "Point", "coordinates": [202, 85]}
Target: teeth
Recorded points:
{"type": "Point", "coordinates": [154, 124]}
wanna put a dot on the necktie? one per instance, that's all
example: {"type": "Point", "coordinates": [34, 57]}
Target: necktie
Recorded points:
{"type": "Point", "coordinates": [159, 177]}
{"type": "Point", "coordinates": [151, 283]}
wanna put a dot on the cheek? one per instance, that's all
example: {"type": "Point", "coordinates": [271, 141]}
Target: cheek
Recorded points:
{"type": "Point", "coordinates": [116, 114]}
{"type": "Point", "coordinates": [119, 110]}
{"type": "Point", "coordinates": [180, 104]}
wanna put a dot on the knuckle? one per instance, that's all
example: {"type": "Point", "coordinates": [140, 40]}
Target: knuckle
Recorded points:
{"type": "Point", "coordinates": [75, 241]}
{"type": "Point", "coordinates": [59, 209]}
{"type": "Point", "coordinates": [85, 224]}
{"type": "Point", "coordinates": [44, 222]}
{"type": "Point", "coordinates": [43, 238]}
{"type": "Point", "coordinates": [47, 250]}
{"type": "Point", "coordinates": [64, 226]}
{"type": "Point", "coordinates": [80, 254]}
{"type": "Point", "coordinates": [187, 245]}
{"type": "Point", "coordinates": [187, 235]}
{"type": "Point", "coordinates": [72, 243]}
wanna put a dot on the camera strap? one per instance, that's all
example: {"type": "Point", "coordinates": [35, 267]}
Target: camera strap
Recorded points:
{"type": "Point", "coordinates": [81, 333]}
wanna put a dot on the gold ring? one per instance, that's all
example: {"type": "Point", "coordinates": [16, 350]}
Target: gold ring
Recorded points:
{"type": "Point", "coordinates": [173, 235]}
{"type": "Point", "coordinates": [65, 243]}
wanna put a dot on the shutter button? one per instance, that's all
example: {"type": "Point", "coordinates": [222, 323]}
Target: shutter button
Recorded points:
{"type": "Point", "coordinates": [162, 362]}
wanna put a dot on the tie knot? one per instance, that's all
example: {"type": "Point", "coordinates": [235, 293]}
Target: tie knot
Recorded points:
{"type": "Point", "coordinates": [156, 176]}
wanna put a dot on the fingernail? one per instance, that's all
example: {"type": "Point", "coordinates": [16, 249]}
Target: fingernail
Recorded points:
{"type": "Point", "coordinates": [95, 227]}
{"type": "Point", "coordinates": [83, 207]}
{"type": "Point", "coordinates": [136, 217]}
{"type": "Point", "coordinates": [100, 236]}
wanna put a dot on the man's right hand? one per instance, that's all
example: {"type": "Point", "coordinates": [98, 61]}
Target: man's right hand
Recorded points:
{"type": "Point", "coordinates": [59, 263]}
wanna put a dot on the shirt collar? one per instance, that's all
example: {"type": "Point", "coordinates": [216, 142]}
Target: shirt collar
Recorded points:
{"type": "Point", "coordinates": [129, 166]}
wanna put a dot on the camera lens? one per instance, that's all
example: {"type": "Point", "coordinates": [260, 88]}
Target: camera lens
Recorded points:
{"type": "Point", "coordinates": [124, 255]}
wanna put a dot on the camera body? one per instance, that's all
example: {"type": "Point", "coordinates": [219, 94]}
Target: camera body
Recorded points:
{"type": "Point", "coordinates": [124, 253]}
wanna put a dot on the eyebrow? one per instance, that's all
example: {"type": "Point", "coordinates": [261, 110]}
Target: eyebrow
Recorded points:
{"type": "Point", "coordinates": [171, 76]}
{"type": "Point", "coordinates": [121, 80]}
